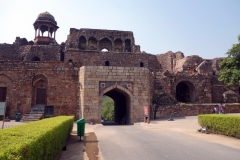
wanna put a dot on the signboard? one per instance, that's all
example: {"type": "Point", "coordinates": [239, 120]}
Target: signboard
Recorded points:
{"type": "Point", "coordinates": [2, 111]}
{"type": "Point", "coordinates": [146, 110]}
{"type": "Point", "coordinates": [2, 108]}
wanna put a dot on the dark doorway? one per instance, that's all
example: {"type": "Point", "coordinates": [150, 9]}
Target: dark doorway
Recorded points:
{"type": "Point", "coordinates": [121, 105]}
{"type": "Point", "coordinates": [41, 96]}
{"type": "Point", "coordinates": [185, 92]}
{"type": "Point", "coordinates": [62, 56]}
{"type": "Point", "coordinates": [107, 63]}
{"type": "Point", "coordinates": [82, 43]}
{"type": "Point", "coordinates": [35, 58]}
{"type": "Point", "coordinates": [48, 111]}
{"type": "Point", "coordinates": [3, 94]}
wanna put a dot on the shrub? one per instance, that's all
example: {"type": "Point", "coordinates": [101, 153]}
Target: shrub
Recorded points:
{"type": "Point", "coordinates": [221, 124]}
{"type": "Point", "coordinates": [39, 140]}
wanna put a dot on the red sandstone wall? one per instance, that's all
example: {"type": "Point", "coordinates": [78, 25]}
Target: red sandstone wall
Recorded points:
{"type": "Point", "coordinates": [95, 58]}
{"type": "Point", "coordinates": [62, 89]}
{"type": "Point", "coordinates": [166, 60]}
{"type": "Point", "coordinates": [217, 93]}
{"type": "Point", "coordinates": [201, 85]}
{"type": "Point", "coordinates": [195, 109]}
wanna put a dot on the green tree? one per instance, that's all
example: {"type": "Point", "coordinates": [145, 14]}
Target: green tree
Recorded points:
{"type": "Point", "coordinates": [107, 108]}
{"type": "Point", "coordinates": [158, 100]}
{"type": "Point", "coordinates": [230, 67]}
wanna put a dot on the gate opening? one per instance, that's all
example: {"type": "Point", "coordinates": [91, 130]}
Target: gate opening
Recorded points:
{"type": "Point", "coordinates": [185, 92]}
{"type": "Point", "coordinates": [3, 94]}
{"type": "Point", "coordinates": [107, 108]}
{"type": "Point", "coordinates": [121, 106]}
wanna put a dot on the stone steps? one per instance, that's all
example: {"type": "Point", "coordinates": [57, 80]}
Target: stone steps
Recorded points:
{"type": "Point", "coordinates": [35, 113]}
{"type": "Point", "coordinates": [32, 117]}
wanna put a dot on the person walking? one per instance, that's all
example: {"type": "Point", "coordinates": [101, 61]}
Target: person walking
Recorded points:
{"type": "Point", "coordinates": [220, 109]}
{"type": "Point", "coordinates": [214, 110]}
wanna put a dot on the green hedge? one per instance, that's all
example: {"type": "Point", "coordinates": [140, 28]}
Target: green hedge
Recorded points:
{"type": "Point", "coordinates": [221, 124]}
{"type": "Point", "coordinates": [39, 140]}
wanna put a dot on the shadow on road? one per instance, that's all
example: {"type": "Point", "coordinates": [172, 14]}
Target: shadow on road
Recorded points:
{"type": "Point", "coordinates": [166, 119]}
{"type": "Point", "coordinates": [108, 123]}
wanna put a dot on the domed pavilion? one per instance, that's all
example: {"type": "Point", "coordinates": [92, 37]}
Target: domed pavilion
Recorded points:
{"type": "Point", "coordinates": [45, 22]}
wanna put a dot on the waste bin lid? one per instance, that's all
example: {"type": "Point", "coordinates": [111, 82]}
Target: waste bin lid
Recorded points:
{"type": "Point", "coordinates": [81, 120]}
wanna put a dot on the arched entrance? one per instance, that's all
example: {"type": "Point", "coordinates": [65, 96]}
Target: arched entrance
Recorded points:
{"type": "Point", "coordinates": [39, 90]}
{"type": "Point", "coordinates": [185, 92]}
{"type": "Point", "coordinates": [122, 103]}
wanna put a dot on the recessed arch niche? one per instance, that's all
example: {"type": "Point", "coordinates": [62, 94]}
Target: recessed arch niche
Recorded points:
{"type": "Point", "coordinates": [92, 43]}
{"type": "Point", "coordinates": [185, 92]}
{"type": "Point", "coordinates": [128, 45]}
{"type": "Point", "coordinates": [39, 84]}
{"type": "Point", "coordinates": [118, 45]}
{"type": "Point", "coordinates": [105, 43]}
{"type": "Point", "coordinates": [82, 43]}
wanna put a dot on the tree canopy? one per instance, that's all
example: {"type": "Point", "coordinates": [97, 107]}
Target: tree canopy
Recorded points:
{"type": "Point", "coordinates": [161, 99]}
{"type": "Point", "coordinates": [230, 67]}
{"type": "Point", "coordinates": [108, 108]}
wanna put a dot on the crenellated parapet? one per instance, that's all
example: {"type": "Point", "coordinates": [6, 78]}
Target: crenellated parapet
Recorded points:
{"type": "Point", "coordinates": [101, 40]}
{"type": "Point", "coordinates": [9, 52]}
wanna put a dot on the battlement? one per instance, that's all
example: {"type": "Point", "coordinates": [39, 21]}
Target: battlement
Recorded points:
{"type": "Point", "coordinates": [113, 33]}
{"type": "Point", "coordinates": [101, 40]}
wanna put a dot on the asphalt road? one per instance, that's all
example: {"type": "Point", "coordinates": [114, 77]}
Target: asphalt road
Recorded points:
{"type": "Point", "coordinates": [135, 142]}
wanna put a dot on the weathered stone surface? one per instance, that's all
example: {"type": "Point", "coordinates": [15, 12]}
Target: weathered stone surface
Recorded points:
{"type": "Point", "coordinates": [194, 109]}
{"type": "Point", "coordinates": [136, 90]}
{"type": "Point", "coordinates": [74, 75]}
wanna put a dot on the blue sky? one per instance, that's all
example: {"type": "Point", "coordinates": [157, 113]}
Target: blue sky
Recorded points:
{"type": "Point", "coordinates": [207, 28]}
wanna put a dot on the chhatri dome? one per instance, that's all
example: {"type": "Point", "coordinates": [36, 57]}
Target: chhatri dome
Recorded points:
{"type": "Point", "coordinates": [46, 16]}
{"type": "Point", "coordinates": [45, 22]}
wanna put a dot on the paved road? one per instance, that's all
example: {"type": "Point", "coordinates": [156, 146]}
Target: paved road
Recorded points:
{"type": "Point", "coordinates": [139, 142]}
{"type": "Point", "coordinates": [159, 140]}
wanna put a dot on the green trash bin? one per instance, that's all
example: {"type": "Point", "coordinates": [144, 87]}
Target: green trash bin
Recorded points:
{"type": "Point", "coordinates": [18, 117]}
{"type": "Point", "coordinates": [81, 127]}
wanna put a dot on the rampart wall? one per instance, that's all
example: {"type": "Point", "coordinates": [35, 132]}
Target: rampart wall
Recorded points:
{"type": "Point", "coordinates": [194, 109]}
{"type": "Point", "coordinates": [61, 86]}
{"type": "Point", "coordinates": [95, 58]}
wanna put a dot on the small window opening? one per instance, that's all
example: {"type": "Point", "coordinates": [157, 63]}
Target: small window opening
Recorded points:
{"type": "Point", "coordinates": [107, 63]}
{"type": "Point", "coordinates": [35, 58]}
{"type": "Point", "coordinates": [141, 64]}
{"type": "Point", "coordinates": [104, 50]}
{"type": "Point", "coordinates": [62, 56]}
{"type": "Point", "coordinates": [3, 93]}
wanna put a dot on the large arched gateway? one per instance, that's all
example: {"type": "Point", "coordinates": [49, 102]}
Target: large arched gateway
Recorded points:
{"type": "Point", "coordinates": [185, 92]}
{"type": "Point", "coordinates": [127, 86]}
{"type": "Point", "coordinates": [122, 102]}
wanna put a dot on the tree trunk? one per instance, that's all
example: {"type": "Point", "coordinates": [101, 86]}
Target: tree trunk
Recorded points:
{"type": "Point", "coordinates": [154, 112]}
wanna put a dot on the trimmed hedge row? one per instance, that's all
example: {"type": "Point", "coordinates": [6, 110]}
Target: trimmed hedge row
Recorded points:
{"type": "Point", "coordinates": [39, 140]}
{"type": "Point", "coordinates": [221, 124]}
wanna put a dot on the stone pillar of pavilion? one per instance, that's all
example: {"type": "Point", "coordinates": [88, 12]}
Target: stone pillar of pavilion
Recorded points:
{"type": "Point", "coordinates": [45, 22]}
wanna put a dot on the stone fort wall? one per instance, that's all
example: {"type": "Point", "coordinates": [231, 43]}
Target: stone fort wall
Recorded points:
{"type": "Point", "coordinates": [61, 86]}
{"type": "Point", "coordinates": [194, 109]}
{"type": "Point", "coordinates": [95, 58]}
{"type": "Point", "coordinates": [91, 90]}
{"type": "Point", "coordinates": [77, 73]}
